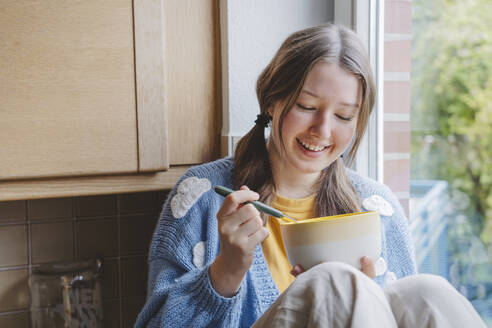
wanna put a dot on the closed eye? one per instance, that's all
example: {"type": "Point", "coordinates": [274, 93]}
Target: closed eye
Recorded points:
{"type": "Point", "coordinates": [305, 108]}
{"type": "Point", "coordinates": [344, 118]}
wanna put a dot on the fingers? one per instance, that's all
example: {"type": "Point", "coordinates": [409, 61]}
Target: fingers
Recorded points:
{"type": "Point", "coordinates": [240, 231]}
{"type": "Point", "coordinates": [261, 234]}
{"type": "Point", "coordinates": [243, 224]}
{"type": "Point", "coordinates": [250, 226]}
{"type": "Point", "coordinates": [368, 267]}
{"type": "Point", "coordinates": [240, 224]}
{"type": "Point", "coordinates": [235, 199]}
{"type": "Point", "coordinates": [297, 270]}
{"type": "Point", "coordinates": [236, 219]}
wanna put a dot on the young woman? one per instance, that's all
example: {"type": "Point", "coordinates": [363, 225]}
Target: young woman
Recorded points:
{"type": "Point", "coordinates": [215, 262]}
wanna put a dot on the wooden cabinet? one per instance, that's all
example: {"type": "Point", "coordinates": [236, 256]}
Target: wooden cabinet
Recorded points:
{"type": "Point", "coordinates": [193, 73]}
{"type": "Point", "coordinates": [115, 87]}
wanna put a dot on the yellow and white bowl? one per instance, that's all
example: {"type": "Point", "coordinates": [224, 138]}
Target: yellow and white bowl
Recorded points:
{"type": "Point", "coordinates": [345, 238]}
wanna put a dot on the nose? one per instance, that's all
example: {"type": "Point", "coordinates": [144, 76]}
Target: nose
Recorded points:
{"type": "Point", "coordinates": [322, 126]}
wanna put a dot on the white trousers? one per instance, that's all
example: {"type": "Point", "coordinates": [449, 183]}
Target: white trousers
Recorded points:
{"type": "Point", "coordinates": [334, 294]}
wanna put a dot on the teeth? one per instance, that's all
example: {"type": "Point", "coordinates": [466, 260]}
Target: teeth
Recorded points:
{"type": "Point", "coordinates": [312, 147]}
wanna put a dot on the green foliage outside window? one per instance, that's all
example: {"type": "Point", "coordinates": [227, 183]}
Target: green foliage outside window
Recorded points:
{"type": "Point", "coordinates": [452, 100]}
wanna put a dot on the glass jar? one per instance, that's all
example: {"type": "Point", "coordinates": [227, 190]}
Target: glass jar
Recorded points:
{"type": "Point", "coordinates": [66, 295]}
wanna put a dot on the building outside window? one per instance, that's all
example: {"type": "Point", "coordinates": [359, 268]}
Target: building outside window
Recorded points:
{"type": "Point", "coordinates": [437, 135]}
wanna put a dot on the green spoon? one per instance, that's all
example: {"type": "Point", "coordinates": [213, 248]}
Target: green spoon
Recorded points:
{"type": "Point", "coordinates": [224, 191]}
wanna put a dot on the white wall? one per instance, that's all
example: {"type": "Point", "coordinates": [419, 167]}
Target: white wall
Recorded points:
{"type": "Point", "coordinates": [252, 31]}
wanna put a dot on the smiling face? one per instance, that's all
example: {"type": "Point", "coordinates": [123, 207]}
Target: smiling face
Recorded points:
{"type": "Point", "coordinates": [320, 125]}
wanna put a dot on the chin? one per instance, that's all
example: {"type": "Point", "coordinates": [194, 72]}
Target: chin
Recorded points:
{"type": "Point", "coordinates": [310, 168]}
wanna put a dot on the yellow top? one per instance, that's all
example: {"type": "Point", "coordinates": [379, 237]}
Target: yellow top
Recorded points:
{"type": "Point", "coordinates": [273, 246]}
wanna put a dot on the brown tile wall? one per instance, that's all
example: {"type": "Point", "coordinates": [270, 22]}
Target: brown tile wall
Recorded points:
{"type": "Point", "coordinates": [116, 228]}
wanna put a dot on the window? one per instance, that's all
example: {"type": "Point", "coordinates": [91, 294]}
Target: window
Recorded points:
{"type": "Point", "coordinates": [437, 136]}
{"type": "Point", "coordinates": [430, 136]}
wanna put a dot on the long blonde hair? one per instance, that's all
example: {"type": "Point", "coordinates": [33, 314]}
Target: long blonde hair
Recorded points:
{"type": "Point", "coordinates": [281, 82]}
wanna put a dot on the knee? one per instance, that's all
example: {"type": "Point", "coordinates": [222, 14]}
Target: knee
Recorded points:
{"type": "Point", "coordinates": [425, 287]}
{"type": "Point", "coordinates": [330, 271]}
{"type": "Point", "coordinates": [426, 300]}
{"type": "Point", "coordinates": [431, 286]}
{"type": "Point", "coordinates": [337, 281]}
{"type": "Point", "coordinates": [426, 283]}
{"type": "Point", "coordinates": [332, 268]}
{"type": "Point", "coordinates": [430, 281]}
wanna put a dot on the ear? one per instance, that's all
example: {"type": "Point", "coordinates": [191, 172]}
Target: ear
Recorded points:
{"type": "Point", "coordinates": [270, 111]}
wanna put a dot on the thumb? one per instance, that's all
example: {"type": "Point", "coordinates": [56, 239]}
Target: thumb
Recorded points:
{"type": "Point", "coordinates": [368, 267]}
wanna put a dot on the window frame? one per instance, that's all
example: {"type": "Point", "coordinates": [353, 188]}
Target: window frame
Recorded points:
{"type": "Point", "coordinates": [366, 18]}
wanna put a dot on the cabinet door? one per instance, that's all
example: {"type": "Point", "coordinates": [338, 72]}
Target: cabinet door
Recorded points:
{"type": "Point", "coordinates": [68, 95]}
{"type": "Point", "coordinates": [193, 88]}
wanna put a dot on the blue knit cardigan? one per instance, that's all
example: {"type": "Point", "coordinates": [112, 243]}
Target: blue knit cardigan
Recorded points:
{"type": "Point", "coordinates": [186, 242]}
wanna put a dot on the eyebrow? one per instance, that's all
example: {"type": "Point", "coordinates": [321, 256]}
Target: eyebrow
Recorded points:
{"type": "Point", "coordinates": [350, 105]}
{"type": "Point", "coordinates": [343, 103]}
{"type": "Point", "coordinates": [310, 93]}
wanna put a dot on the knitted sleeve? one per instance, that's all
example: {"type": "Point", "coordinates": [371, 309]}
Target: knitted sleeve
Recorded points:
{"type": "Point", "coordinates": [184, 244]}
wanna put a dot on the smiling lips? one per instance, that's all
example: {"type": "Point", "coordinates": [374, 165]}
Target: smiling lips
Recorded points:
{"type": "Point", "coordinates": [311, 147]}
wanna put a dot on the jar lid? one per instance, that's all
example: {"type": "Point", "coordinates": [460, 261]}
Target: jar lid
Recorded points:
{"type": "Point", "coordinates": [68, 267]}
